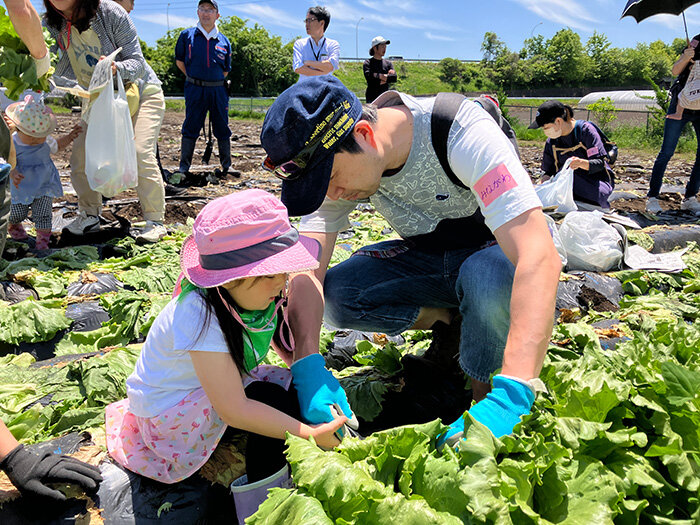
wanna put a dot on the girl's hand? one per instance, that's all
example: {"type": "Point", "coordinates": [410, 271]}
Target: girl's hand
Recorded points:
{"type": "Point", "coordinates": [114, 66]}
{"type": "Point", "coordinates": [577, 163]}
{"type": "Point", "coordinates": [75, 131]}
{"type": "Point", "coordinates": [324, 434]}
{"type": "Point", "coordinates": [688, 53]}
{"type": "Point", "coordinates": [16, 177]}
{"type": "Point", "coordinates": [10, 124]}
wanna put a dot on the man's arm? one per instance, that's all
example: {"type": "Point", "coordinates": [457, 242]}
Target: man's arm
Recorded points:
{"type": "Point", "coordinates": [306, 299]}
{"type": "Point", "coordinates": [315, 68]}
{"type": "Point", "coordinates": [526, 241]}
{"type": "Point", "coordinates": [181, 66]}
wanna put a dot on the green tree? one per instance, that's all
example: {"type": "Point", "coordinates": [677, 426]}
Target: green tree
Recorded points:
{"type": "Point", "coordinates": [261, 65]}
{"type": "Point", "coordinates": [492, 47]}
{"type": "Point", "coordinates": [567, 53]}
{"type": "Point", "coordinates": [454, 72]}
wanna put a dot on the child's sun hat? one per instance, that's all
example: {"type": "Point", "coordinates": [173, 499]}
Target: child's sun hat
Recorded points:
{"type": "Point", "coordinates": [245, 234]}
{"type": "Point", "coordinates": [32, 117]}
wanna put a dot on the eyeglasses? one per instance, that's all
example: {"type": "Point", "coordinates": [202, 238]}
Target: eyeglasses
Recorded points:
{"type": "Point", "coordinates": [207, 9]}
{"type": "Point", "coordinates": [309, 20]}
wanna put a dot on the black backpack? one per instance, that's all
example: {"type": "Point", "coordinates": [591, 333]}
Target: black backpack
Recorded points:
{"type": "Point", "coordinates": [445, 110]}
{"type": "Point", "coordinates": [610, 146]}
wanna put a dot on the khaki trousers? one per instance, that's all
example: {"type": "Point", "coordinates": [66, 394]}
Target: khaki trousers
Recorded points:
{"type": "Point", "coordinates": [150, 188]}
{"type": "Point", "coordinates": [4, 212]}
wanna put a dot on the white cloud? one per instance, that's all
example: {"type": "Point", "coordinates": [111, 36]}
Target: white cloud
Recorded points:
{"type": "Point", "coordinates": [265, 15]}
{"type": "Point", "coordinates": [565, 12]}
{"type": "Point", "coordinates": [432, 36]}
{"type": "Point", "coordinates": [386, 6]}
{"type": "Point", "coordinates": [165, 20]}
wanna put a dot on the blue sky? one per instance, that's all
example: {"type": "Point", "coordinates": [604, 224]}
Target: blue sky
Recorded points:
{"type": "Point", "coordinates": [427, 29]}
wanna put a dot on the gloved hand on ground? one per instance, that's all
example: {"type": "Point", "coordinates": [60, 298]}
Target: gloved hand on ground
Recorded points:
{"type": "Point", "coordinates": [501, 409]}
{"type": "Point", "coordinates": [318, 390]}
{"type": "Point", "coordinates": [30, 472]}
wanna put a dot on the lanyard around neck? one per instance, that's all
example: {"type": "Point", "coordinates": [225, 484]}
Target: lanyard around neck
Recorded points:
{"type": "Point", "coordinates": [317, 54]}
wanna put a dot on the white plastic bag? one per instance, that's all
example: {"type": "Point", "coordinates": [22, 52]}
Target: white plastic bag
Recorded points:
{"type": "Point", "coordinates": [559, 190]}
{"type": "Point", "coordinates": [110, 151]}
{"type": "Point", "coordinates": [554, 231]}
{"type": "Point", "coordinates": [591, 243]}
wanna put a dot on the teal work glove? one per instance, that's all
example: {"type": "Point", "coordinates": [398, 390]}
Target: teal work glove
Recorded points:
{"type": "Point", "coordinates": [509, 399]}
{"type": "Point", "coordinates": [318, 390]}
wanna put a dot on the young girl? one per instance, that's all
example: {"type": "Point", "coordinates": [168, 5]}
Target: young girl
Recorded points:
{"type": "Point", "coordinates": [198, 371]}
{"type": "Point", "coordinates": [35, 179]}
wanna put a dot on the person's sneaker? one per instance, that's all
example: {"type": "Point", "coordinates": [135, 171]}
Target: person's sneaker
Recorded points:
{"type": "Point", "coordinates": [152, 232]}
{"type": "Point", "coordinates": [691, 205]}
{"type": "Point", "coordinates": [17, 232]}
{"type": "Point", "coordinates": [83, 223]}
{"type": "Point", "coordinates": [653, 205]}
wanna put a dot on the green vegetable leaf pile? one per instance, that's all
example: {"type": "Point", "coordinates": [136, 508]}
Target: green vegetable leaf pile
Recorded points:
{"type": "Point", "coordinates": [17, 69]}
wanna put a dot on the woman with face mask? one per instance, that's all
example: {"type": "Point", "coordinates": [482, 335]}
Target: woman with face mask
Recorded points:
{"type": "Point", "coordinates": [579, 141]}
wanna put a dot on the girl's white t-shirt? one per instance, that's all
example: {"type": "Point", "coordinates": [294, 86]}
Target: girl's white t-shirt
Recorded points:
{"type": "Point", "coordinates": [164, 372]}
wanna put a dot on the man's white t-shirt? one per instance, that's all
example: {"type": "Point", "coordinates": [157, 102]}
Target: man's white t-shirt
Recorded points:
{"type": "Point", "coordinates": [164, 372]}
{"type": "Point", "coordinates": [306, 49]}
{"type": "Point", "coordinates": [418, 197]}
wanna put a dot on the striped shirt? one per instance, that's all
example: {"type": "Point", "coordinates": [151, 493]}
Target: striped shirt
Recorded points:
{"type": "Point", "coordinates": [115, 29]}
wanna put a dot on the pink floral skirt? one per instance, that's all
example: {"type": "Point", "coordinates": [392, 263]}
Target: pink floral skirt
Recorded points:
{"type": "Point", "coordinates": [176, 443]}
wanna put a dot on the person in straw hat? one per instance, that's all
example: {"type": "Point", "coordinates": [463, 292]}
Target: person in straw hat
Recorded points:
{"type": "Point", "coordinates": [35, 179]}
{"type": "Point", "coordinates": [200, 370]}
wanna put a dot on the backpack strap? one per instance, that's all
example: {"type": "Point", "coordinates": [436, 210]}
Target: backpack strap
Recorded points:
{"type": "Point", "coordinates": [445, 110]}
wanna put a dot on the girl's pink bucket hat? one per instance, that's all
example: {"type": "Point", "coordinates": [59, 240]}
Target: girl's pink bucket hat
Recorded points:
{"type": "Point", "coordinates": [245, 234]}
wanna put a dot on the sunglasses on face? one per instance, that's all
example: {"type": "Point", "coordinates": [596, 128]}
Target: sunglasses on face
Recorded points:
{"type": "Point", "coordinates": [292, 169]}
{"type": "Point", "coordinates": [309, 20]}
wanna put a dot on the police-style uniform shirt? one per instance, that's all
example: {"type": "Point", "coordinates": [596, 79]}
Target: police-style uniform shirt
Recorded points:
{"type": "Point", "coordinates": [306, 49]}
{"type": "Point", "coordinates": [207, 56]}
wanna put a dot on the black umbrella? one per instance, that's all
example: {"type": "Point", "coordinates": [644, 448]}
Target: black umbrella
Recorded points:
{"type": "Point", "coordinates": [641, 9]}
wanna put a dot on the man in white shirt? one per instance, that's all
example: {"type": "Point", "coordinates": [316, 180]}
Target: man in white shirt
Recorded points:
{"type": "Point", "coordinates": [473, 238]}
{"type": "Point", "coordinates": [316, 55]}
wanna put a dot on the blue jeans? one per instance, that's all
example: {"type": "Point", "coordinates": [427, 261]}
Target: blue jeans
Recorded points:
{"type": "Point", "coordinates": [382, 288]}
{"type": "Point", "coordinates": [672, 132]}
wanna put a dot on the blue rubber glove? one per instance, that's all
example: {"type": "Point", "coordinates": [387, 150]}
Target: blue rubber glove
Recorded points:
{"type": "Point", "coordinates": [317, 390]}
{"type": "Point", "coordinates": [501, 409]}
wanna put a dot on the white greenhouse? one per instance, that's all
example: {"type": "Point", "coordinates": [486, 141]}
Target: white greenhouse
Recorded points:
{"type": "Point", "coordinates": [642, 100]}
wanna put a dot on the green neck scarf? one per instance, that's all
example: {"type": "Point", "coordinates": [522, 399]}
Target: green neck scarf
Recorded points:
{"type": "Point", "coordinates": [256, 344]}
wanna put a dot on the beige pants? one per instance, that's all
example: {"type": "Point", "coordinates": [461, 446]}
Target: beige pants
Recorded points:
{"type": "Point", "coordinates": [4, 212]}
{"type": "Point", "coordinates": [150, 188]}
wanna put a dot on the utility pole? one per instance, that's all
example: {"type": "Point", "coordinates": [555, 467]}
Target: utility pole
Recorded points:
{"type": "Point", "coordinates": [167, 16]}
{"type": "Point", "coordinates": [357, 26]}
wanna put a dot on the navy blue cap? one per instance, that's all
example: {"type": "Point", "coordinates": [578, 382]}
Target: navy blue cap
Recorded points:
{"type": "Point", "coordinates": [212, 2]}
{"type": "Point", "coordinates": [320, 108]}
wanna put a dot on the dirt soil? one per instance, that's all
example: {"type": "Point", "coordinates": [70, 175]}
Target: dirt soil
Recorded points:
{"type": "Point", "coordinates": [632, 173]}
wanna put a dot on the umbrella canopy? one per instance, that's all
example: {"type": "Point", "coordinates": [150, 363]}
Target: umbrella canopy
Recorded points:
{"type": "Point", "coordinates": [641, 9]}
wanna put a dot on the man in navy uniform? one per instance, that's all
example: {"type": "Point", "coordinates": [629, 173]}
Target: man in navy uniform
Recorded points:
{"type": "Point", "coordinates": [203, 54]}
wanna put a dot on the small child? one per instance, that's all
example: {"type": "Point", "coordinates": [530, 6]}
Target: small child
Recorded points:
{"type": "Point", "coordinates": [35, 179]}
{"type": "Point", "coordinates": [199, 371]}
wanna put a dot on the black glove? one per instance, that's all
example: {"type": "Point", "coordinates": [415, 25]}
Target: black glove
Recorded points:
{"type": "Point", "coordinates": [29, 472]}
